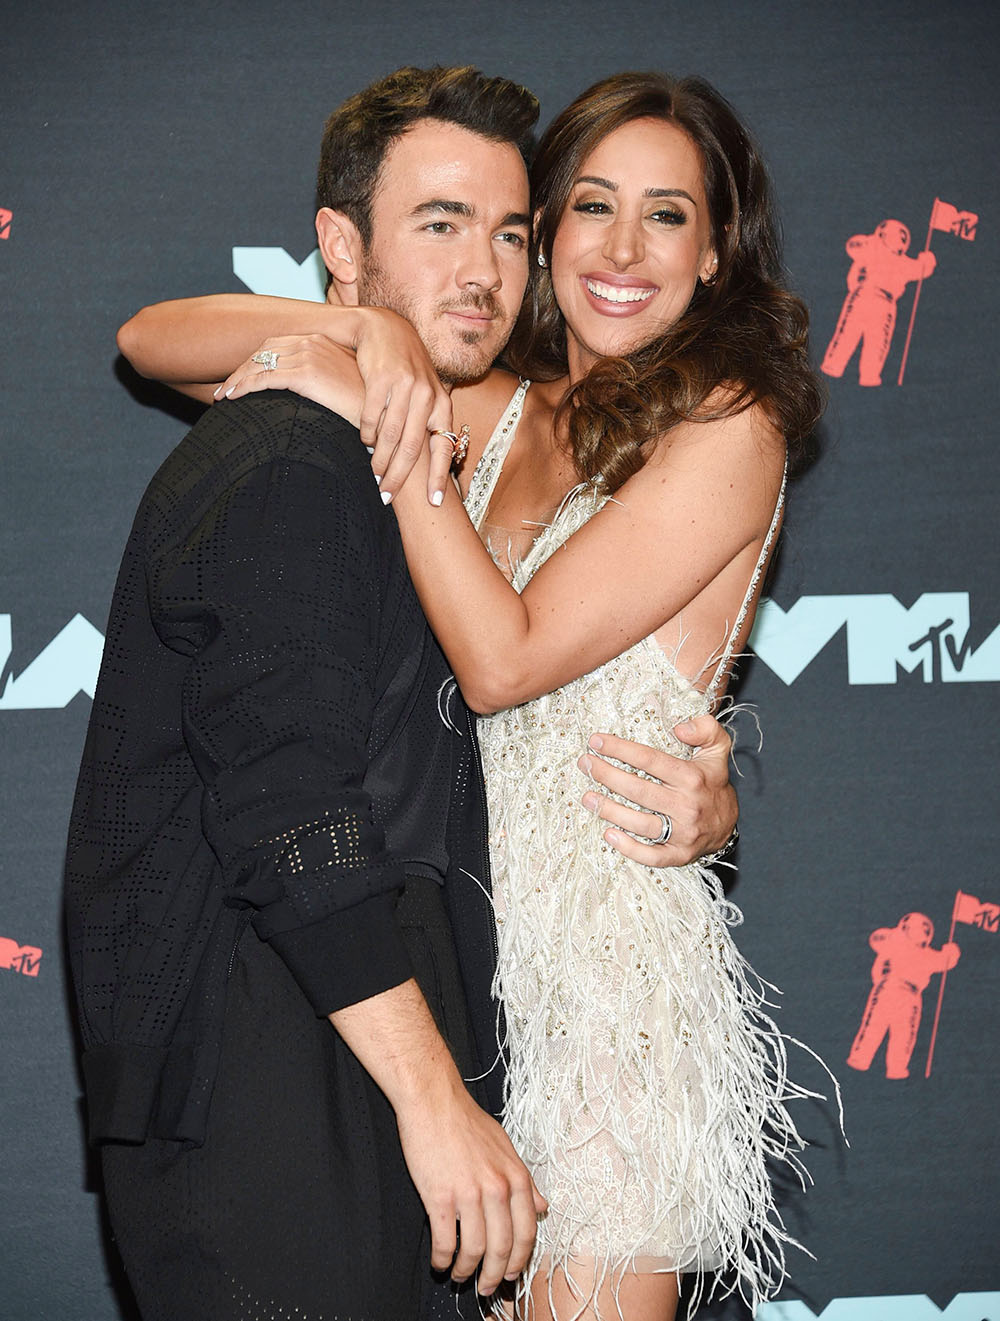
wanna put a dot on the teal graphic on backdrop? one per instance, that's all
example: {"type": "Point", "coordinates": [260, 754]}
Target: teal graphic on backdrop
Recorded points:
{"type": "Point", "coordinates": [882, 634]}
{"type": "Point", "coordinates": [67, 666]}
{"type": "Point", "coordinates": [901, 1307]}
{"type": "Point", "coordinates": [272, 271]}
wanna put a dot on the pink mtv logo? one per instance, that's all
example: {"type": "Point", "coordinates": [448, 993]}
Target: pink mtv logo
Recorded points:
{"type": "Point", "coordinates": [19, 958]}
{"type": "Point", "coordinates": [5, 218]}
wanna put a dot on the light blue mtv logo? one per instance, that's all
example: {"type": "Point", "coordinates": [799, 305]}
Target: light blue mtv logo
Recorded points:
{"type": "Point", "coordinates": [902, 1307]}
{"type": "Point", "coordinates": [272, 271]}
{"type": "Point", "coordinates": [68, 665]}
{"type": "Point", "coordinates": [931, 635]}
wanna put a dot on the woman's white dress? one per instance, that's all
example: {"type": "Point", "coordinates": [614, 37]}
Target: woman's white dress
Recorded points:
{"type": "Point", "coordinates": [646, 1083]}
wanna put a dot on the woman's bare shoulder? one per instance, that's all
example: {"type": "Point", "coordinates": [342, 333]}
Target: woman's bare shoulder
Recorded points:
{"type": "Point", "coordinates": [724, 422]}
{"type": "Point", "coordinates": [714, 458]}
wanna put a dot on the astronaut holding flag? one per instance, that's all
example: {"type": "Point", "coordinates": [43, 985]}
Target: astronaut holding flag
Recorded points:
{"type": "Point", "coordinates": [879, 274]}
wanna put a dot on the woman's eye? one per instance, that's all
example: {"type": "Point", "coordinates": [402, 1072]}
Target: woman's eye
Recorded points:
{"type": "Point", "coordinates": [593, 208]}
{"type": "Point", "coordinates": [669, 216]}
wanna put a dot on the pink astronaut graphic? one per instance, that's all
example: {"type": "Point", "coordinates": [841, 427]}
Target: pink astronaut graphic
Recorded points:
{"type": "Point", "coordinates": [905, 961]}
{"type": "Point", "coordinates": [880, 272]}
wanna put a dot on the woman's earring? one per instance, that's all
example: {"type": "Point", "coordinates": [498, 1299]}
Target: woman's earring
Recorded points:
{"type": "Point", "coordinates": [541, 259]}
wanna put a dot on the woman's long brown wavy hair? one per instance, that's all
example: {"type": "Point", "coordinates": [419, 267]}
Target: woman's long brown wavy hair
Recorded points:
{"type": "Point", "coordinates": [743, 338]}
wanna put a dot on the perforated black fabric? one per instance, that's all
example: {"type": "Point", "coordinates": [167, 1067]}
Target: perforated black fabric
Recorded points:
{"type": "Point", "coordinates": [265, 745]}
{"type": "Point", "coordinates": [298, 1207]}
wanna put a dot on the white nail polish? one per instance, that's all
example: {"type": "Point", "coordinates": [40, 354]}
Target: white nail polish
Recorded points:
{"type": "Point", "coordinates": [378, 479]}
{"type": "Point", "coordinates": [437, 498]}
{"type": "Point", "coordinates": [370, 449]}
{"type": "Point", "coordinates": [386, 497]}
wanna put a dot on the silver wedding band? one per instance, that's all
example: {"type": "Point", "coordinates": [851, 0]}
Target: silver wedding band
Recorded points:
{"type": "Point", "coordinates": [664, 836]}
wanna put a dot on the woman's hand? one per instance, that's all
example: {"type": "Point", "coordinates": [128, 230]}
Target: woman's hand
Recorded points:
{"type": "Point", "coordinates": [383, 383]}
{"type": "Point", "coordinates": [404, 401]}
{"type": "Point", "coordinates": [311, 365]}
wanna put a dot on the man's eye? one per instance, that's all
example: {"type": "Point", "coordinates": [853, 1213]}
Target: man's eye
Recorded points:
{"type": "Point", "coordinates": [438, 227]}
{"type": "Point", "coordinates": [515, 240]}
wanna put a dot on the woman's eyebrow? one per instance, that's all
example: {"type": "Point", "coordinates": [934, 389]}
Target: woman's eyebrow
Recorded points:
{"type": "Point", "coordinates": [650, 192]}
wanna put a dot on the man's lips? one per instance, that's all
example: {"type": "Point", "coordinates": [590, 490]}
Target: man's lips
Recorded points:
{"type": "Point", "coordinates": [617, 295]}
{"type": "Point", "coordinates": [472, 313]}
{"type": "Point", "coordinates": [471, 319]}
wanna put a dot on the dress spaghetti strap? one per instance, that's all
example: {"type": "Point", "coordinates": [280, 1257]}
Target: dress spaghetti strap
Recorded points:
{"type": "Point", "coordinates": [490, 465]}
{"type": "Point", "coordinates": [737, 628]}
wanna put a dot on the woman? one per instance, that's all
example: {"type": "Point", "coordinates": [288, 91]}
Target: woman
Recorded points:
{"type": "Point", "coordinates": [646, 1083]}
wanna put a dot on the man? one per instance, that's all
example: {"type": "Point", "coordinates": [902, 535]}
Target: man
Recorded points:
{"type": "Point", "coordinates": [274, 824]}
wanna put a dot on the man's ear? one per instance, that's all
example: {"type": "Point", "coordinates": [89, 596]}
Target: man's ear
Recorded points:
{"type": "Point", "coordinates": [341, 249]}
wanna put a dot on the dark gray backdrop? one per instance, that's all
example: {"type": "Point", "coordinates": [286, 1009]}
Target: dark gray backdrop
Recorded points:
{"type": "Point", "coordinates": [140, 148]}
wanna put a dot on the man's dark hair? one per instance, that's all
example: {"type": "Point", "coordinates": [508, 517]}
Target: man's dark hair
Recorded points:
{"type": "Point", "coordinates": [360, 132]}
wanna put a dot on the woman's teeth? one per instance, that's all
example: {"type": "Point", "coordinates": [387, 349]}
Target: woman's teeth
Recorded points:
{"type": "Point", "coordinates": [614, 295]}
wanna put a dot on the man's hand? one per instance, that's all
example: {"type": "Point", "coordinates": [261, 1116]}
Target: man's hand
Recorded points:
{"type": "Point", "coordinates": [466, 1171]}
{"type": "Point", "coordinates": [695, 795]}
{"type": "Point", "coordinates": [460, 1159]}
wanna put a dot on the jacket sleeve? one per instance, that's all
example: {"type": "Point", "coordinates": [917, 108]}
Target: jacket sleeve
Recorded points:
{"type": "Point", "coordinates": [276, 596]}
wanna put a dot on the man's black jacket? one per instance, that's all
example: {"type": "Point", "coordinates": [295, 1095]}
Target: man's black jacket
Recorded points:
{"type": "Point", "coordinates": [275, 740]}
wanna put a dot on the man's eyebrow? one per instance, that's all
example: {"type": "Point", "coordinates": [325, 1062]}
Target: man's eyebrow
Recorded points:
{"type": "Point", "coordinates": [650, 192]}
{"type": "Point", "coordinates": [445, 206]}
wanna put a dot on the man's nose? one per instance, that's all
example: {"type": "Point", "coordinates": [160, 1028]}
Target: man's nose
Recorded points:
{"type": "Point", "coordinates": [479, 266]}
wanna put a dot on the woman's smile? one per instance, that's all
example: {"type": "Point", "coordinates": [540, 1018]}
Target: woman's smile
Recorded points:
{"type": "Point", "coordinates": [617, 295]}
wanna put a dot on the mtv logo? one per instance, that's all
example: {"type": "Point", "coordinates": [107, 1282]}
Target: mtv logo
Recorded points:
{"type": "Point", "coordinates": [883, 636]}
{"type": "Point", "coordinates": [5, 218]}
{"type": "Point", "coordinates": [19, 958]}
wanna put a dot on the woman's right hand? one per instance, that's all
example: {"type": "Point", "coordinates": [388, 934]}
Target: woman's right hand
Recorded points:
{"type": "Point", "coordinates": [404, 400]}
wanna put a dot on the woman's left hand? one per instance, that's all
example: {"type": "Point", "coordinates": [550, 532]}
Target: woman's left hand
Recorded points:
{"type": "Point", "coordinates": [311, 365]}
{"type": "Point", "coordinates": [317, 368]}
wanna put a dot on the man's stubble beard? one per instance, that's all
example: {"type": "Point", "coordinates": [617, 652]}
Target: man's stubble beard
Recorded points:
{"type": "Point", "coordinates": [376, 289]}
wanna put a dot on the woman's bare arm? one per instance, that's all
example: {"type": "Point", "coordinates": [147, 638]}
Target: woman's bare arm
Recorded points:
{"type": "Point", "coordinates": [706, 495]}
{"type": "Point", "coordinates": [194, 343]}
{"type": "Point", "coordinates": [200, 345]}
